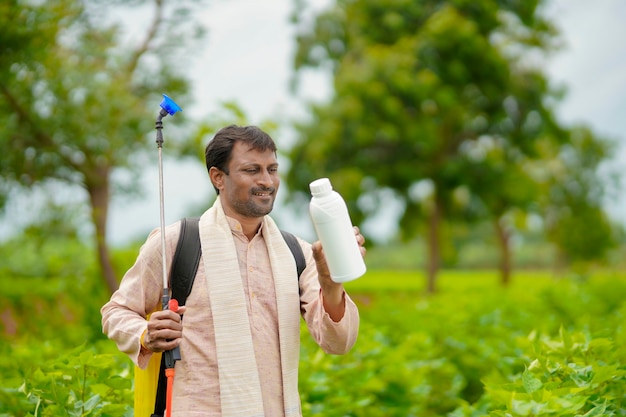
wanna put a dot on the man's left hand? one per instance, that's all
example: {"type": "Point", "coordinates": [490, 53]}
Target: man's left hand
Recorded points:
{"type": "Point", "coordinates": [333, 292]}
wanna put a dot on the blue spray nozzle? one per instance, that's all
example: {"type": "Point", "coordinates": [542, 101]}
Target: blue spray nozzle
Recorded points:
{"type": "Point", "coordinates": [169, 105]}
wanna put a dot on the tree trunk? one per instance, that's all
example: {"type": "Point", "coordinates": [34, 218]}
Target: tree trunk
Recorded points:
{"type": "Point", "coordinates": [504, 240]}
{"type": "Point", "coordinates": [99, 197]}
{"type": "Point", "coordinates": [434, 255]}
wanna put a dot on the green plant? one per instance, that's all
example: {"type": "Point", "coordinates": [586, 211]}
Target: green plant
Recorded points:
{"type": "Point", "coordinates": [80, 383]}
{"type": "Point", "coordinates": [572, 374]}
{"type": "Point", "coordinates": [543, 346]}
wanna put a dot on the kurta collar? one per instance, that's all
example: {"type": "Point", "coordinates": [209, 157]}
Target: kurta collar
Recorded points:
{"type": "Point", "coordinates": [237, 229]}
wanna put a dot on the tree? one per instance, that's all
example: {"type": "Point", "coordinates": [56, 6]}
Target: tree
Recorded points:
{"type": "Point", "coordinates": [501, 163]}
{"type": "Point", "coordinates": [73, 96]}
{"type": "Point", "coordinates": [416, 85]}
{"type": "Point", "coordinates": [573, 197]}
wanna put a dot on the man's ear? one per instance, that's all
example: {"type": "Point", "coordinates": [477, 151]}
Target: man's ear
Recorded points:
{"type": "Point", "coordinates": [217, 177]}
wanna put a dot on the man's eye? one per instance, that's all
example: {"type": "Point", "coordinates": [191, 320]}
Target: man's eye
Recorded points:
{"type": "Point", "coordinates": [273, 170]}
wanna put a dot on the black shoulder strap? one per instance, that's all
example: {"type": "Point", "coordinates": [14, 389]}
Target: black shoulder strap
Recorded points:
{"type": "Point", "coordinates": [296, 250]}
{"type": "Point", "coordinates": [186, 259]}
{"type": "Point", "coordinates": [183, 272]}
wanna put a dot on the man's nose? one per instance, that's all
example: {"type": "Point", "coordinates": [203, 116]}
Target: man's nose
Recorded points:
{"type": "Point", "coordinates": [265, 177]}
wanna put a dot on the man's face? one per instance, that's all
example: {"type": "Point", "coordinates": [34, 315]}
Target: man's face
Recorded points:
{"type": "Point", "coordinates": [249, 189]}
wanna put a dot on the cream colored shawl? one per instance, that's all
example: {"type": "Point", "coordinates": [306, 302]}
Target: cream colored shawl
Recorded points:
{"type": "Point", "coordinates": [240, 389]}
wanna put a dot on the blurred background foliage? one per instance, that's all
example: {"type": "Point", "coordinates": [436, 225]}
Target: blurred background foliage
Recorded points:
{"type": "Point", "coordinates": [441, 107]}
{"type": "Point", "coordinates": [446, 105]}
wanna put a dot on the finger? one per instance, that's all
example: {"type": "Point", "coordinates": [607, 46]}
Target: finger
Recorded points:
{"type": "Point", "coordinates": [320, 260]}
{"type": "Point", "coordinates": [160, 340]}
{"type": "Point", "coordinates": [164, 329]}
{"type": "Point", "coordinates": [157, 327]}
{"type": "Point", "coordinates": [318, 251]}
{"type": "Point", "coordinates": [165, 315]}
{"type": "Point", "coordinates": [359, 237]}
{"type": "Point", "coordinates": [164, 334]}
{"type": "Point", "coordinates": [163, 345]}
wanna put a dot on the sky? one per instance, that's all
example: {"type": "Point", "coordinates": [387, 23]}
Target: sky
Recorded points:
{"type": "Point", "coordinates": [247, 58]}
{"type": "Point", "coordinates": [593, 68]}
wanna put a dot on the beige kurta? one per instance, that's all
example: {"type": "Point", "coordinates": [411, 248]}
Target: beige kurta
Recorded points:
{"type": "Point", "coordinates": [197, 384]}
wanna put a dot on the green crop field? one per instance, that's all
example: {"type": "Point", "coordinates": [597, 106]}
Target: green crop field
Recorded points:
{"type": "Point", "coordinates": [541, 347]}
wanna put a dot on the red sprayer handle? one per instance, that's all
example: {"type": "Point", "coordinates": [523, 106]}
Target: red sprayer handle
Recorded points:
{"type": "Point", "coordinates": [170, 371]}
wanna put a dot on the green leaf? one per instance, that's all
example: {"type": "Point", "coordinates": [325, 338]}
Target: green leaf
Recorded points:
{"type": "Point", "coordinates": [598, 410]}
{"type": "Point", "coordinates": [92, 402]}
{"type": "Point", "coordinates": [531, 382]}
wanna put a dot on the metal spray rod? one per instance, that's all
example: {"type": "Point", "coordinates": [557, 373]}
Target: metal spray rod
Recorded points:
{"type": "Point", "coordinates": [168, 106]}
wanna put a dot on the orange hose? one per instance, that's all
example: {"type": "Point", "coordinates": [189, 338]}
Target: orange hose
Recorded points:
{"type": "Point", "coordinates": [169, 373]}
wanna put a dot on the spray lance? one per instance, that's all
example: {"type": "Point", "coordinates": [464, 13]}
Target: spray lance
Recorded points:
{"type": "Point", "coordinates": [168, 106]}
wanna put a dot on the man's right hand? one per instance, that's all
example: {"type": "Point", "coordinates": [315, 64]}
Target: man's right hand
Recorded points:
{"type": "Point", "coordinates": [164, 330]}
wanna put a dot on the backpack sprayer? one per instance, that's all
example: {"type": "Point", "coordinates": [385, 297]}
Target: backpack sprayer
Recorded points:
{"type": "Point", "coordinates": [168, 106]}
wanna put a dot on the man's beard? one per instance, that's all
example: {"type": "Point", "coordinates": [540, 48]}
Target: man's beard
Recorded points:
{"type": "Point", "coordinates": [250, 208]}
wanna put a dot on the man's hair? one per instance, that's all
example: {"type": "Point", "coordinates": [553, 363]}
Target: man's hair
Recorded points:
{"type": "Point", "coordinates": [219, 150]}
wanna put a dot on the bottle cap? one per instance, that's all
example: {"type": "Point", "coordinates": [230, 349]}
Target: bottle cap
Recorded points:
{"type": "Point", "coordinates": [320, 186]}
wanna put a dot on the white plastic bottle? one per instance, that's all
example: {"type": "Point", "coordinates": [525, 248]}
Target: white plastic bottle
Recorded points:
{"type": "Point", "coordinates": [333, 226]}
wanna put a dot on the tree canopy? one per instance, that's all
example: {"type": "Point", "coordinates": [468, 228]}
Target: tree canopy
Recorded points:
{"type": "Point", "coordinates": [447, 93]}
{"type": "Point", "coordinates": [73, 94]}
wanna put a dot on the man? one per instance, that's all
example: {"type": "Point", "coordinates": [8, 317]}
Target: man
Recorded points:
{"type": "Point", "coordinates": [239, 340]}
